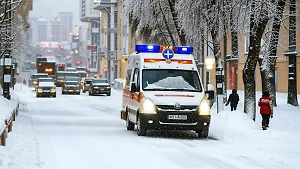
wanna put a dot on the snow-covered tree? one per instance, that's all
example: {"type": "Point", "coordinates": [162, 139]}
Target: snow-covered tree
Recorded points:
{"type": "Point", "coordinates": [154, 21]}
{"type": "Point", "coordinates": [268, 61]}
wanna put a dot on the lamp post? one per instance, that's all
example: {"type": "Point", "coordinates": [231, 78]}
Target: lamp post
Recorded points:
{"type": "Point", "coordinates": [209, 63]}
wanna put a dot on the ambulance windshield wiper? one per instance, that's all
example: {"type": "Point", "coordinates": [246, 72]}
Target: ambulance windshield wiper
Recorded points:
{"type": "Point", "coordinates": [170, 89]}
{"type": "Point", "coordinates": [179, 89]}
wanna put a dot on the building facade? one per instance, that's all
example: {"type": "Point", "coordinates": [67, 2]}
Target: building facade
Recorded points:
{"type": "Point", "coordinates": [55, 30]}
{"type": "Point", "coordinates": [90, 46]}
{"type": "Point", "coordinates": [42, 30]}
{"type": "Point", "coordinates": [66, 19]}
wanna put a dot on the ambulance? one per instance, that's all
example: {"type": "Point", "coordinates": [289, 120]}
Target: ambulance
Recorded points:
{"type": "Point", "coordinates": [163, 91]}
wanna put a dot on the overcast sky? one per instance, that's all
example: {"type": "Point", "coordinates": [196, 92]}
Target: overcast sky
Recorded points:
{"type": "Point", "coordinates": [49, 8]}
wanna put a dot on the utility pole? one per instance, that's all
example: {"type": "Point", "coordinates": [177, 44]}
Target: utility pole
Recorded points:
{"type": "Point", "coordinates": [110, 8]}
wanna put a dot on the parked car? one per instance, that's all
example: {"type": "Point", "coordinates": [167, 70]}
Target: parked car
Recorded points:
{"type": "Point", "coordinates": [45, 87]}
{"type": "Point", "coordinates": [71, 85]}
{"type": "Point", "coordinates": [86, 84]}
{"type": "Point", "coordinates": [99, 86]}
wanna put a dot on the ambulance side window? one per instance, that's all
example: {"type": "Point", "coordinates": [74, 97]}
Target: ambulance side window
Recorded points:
{"type": "Point", "coordinates": [128, 75]}
{"type": "Point", "coordinates": [135, 79]}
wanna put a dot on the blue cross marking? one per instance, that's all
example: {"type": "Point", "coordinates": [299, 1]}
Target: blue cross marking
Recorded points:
{"type": "Point", "coordinates": [168, 53]}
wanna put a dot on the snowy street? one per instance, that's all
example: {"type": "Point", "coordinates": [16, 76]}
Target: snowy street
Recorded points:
{"type": "Point", "coordinates": [82, 131]}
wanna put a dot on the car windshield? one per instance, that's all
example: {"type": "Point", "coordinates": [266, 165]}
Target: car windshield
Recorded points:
{"type": "Point", "coordinates": [71, 83]}
{"type": "Point", "coordinates": [39, 76]}
{"type": "Point", "coordinates": [66, 74]}
{"type": "Point", "coordinates": [170, 79]}
{"type": "Point", "coordinates": [45, 80]}
{"type": "Point", "coordinates": [88, 81]}
{"type": "Point", "coordinates": [100, 81]}
{"type": "Point", "coordinates": [72, 79]}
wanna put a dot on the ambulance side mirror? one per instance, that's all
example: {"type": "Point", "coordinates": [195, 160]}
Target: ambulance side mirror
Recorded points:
{"type": "Point", "coordinates": [134, 87]}
{"type": "Point", "coordinates": [210, 94]}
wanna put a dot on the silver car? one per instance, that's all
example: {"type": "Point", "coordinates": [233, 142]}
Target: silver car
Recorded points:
{"type": "Point", "coordinates": [86, 84]}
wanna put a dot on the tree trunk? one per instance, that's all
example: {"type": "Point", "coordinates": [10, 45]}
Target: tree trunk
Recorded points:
{"type": "Point", "coordinates": [257, 30]}
{"type": "Point", "coordinates": [268, 74]}
{"type": "Point", "coordinates": [292, 80]}
{"type": "Point", "coordinates": [181, 33]}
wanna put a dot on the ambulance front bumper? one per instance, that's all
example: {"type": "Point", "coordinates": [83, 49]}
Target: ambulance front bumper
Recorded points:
{"type": "Point", "coordinates": [175, 122]}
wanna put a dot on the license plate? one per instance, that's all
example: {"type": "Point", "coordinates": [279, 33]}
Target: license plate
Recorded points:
{"type": "Point", "coordinates": [70, 90]}
{"type": "Point", "coordinates": [101, 89]}
{"type": "Point", "coordinates": [46, 90]}
{"type": "Point", "coordinates": [177, 117]}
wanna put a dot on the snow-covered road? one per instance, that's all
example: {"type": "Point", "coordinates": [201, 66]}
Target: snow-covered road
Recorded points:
{"type": "Point", "coordinates": [82, 131]}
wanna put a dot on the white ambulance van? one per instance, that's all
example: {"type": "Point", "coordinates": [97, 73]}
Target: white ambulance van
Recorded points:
{"type": "Point", "coordinates": [163, 91]}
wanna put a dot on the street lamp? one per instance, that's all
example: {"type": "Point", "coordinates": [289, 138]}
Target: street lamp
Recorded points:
{"type": "Point", "coordinates": [209, 63]}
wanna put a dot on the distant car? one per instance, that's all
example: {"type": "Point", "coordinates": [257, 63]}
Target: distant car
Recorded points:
{"type": "Point", "coordinates": [71, 85]}
{"type": "Point", "coordinates": [118, 83]}
{"type": "Point", "coordinates": [34, 78]}
{"type": "Point", "coordinates": [71, 69]}
{"type": "Point", "coordinates": [86, 84]}
{"type": "Point", "coordinates": [26, 69]}
{"type": "Point", "coordinates": [45, 87]}
{"type": "Point", "coordinates": [99, 86]}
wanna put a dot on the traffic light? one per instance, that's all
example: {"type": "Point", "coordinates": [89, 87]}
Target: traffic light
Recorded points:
{"type": "Point", "coordinates": [87, 70]}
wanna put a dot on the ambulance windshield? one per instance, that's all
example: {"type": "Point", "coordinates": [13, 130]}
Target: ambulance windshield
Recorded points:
{"type": "Point", "coordinates": [170, 79]}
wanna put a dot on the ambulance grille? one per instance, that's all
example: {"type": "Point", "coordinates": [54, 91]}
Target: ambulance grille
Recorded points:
{"type": "Point", "coordinates": [171, 107]}
{"type": "Point", "coordinates": [47, 88]}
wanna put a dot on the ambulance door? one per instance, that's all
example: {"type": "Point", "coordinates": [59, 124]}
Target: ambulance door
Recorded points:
{"type": "Point", "coordinates": [126, 90]}
{"type": "Point", "coordinates": [134, 88]}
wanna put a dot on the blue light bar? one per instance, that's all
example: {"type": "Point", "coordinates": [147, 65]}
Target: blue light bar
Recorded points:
{"type": "Point", "coordinates": [147, 48]}
{"type": "Point", "coordinates": [183, 49]}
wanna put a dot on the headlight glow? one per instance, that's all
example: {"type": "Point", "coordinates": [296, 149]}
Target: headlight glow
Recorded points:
{"type": "Point", "coordinates": [96, 87]}
{"type": "Point", "coordinates": [39, 90]}
{"type": "Point", "coordinates": [147, 106]}
{"type": "Point", "coordinates": [204, 108]}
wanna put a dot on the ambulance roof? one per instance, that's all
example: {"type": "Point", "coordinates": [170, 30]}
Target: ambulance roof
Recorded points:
{"type": "Point", "coordinates": [156, 56]}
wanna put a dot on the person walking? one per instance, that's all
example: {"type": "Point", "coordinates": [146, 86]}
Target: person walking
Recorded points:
{"type": "Point", "coordinates": [266, 109]}
{"type": "Point", "coordinates": [233, 100]}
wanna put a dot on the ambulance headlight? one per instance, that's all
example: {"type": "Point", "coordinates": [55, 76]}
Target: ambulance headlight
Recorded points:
{"type": "Point", "coordinates": [204, 108]}
{"type": "Point", "coordinates": [147, 106]}
{"type": "Point", "coordinates": [40, 90]}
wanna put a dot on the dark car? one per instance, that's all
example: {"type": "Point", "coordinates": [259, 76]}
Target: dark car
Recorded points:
{"type": "Point", "coordinates": [86, 84]}
{"type": "Point", "coordinates": [71, 85]}
{"type": "Point", "coordinates": [100, 86]}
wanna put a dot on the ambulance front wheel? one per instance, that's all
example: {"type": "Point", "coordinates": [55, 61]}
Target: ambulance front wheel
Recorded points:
{"type": "Point", "coordinates": [141, 126]}
{"type": "Point", "coordinates": [202, 133]}
{"type": "Point", "coordinates": [129, 124]}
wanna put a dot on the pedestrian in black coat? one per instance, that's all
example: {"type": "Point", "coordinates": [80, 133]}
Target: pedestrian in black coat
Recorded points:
{"type": "Point", "coordinates": [233, 100]}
